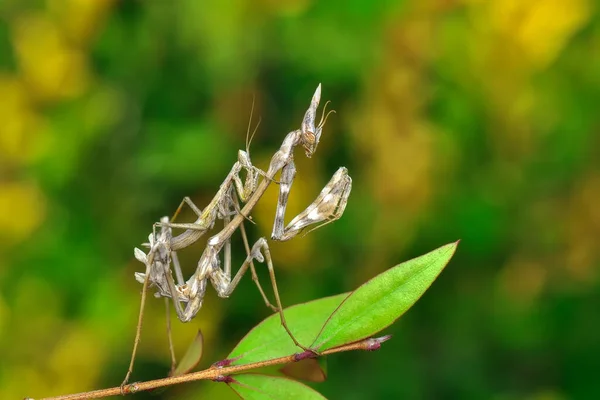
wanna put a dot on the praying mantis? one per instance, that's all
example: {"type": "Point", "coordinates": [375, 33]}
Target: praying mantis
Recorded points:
{"type": "Point", "coordinates": [328, 206]}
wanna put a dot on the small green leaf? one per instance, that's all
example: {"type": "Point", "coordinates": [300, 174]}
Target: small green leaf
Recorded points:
{"type": "Point", "coordinates": [379, 302]}
{"type": "Point", "coordinates": [192, 356]}
{"type": "Point", "coordinates": [259, 387]}
{"type": "Point", "coordinates": [269, 340]}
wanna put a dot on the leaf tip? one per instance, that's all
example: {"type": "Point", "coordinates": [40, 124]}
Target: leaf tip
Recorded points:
{"type": "Point", "coordinates": [454, 247]}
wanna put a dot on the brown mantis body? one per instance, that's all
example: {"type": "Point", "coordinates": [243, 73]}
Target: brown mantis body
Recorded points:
{"type": "Point", "coordinates": [327, 207]}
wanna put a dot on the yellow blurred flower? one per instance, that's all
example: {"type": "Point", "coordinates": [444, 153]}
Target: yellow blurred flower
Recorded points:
{"type": "Point", "coordinates": [20, 128]}
{"type": "Point", "coordinates": [540, 28]}
{"type": "Point", "coordinates": [80, 19]}
{"type": "Point", "coordinates": [22, 210]}
{"type": "Point", "coordinates": [49, 65]}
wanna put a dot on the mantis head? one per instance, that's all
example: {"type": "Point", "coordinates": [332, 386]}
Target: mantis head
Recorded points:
{"type": "Point", "coordinates": [311, 134]}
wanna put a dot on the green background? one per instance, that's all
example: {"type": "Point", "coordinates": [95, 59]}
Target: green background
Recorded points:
{"type": "Point", "coordinates": [474, 120]}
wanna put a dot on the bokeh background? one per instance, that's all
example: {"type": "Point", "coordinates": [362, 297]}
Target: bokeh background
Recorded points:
{"type": "Point", "coordinates": [457, 119]}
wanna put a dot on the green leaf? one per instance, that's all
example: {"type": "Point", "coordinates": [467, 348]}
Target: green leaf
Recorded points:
{"type": "Point", "coordinates": [379, 302]}
{"type": "Point", "coordinates": [192, 356]}
{"type": "Point", "coordinates": [269, 340]}
{"type": "Point", "coordinates": [259, 387]}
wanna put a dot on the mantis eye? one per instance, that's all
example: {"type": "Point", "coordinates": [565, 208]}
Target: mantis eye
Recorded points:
{"type": "Point", "coordinates": [310, 138]}
{"type": "Point", "coordinates": [309, 142]}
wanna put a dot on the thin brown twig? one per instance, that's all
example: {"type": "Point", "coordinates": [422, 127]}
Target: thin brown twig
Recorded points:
{"type": "Point", "coordinates": [217, 373]}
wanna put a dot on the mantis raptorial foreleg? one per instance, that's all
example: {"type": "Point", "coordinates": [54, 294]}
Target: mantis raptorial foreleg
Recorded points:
{"type": "Point", "coordinates": [327, 207]}
{"type": "Point", "coordinates": [288, 173]}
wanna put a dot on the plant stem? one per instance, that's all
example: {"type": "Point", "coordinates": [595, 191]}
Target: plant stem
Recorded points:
{"type": "Point", "coordinates": [217, 373]}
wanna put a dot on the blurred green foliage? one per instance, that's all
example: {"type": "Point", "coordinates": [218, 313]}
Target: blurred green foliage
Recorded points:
{"type": "Point", "coordinates": [458, 119]}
